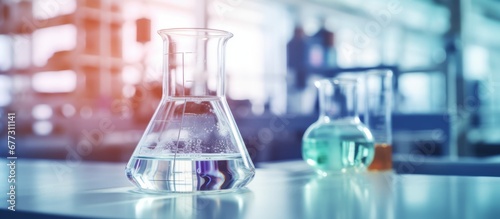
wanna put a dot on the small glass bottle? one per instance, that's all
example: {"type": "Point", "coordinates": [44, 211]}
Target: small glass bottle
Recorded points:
{"type": "Point", "coordinates": [338, 141]}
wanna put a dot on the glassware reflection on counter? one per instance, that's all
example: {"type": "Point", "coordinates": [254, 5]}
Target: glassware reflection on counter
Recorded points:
{"type": "Point", "coordinates": [350, 195]}
{"type": "Point", "coordinates": [198, 205]}
{"type": "Point", "coordinates": [337, 141]}
{"type": "Point", "coordinates": [192, 142]}
{"type": "Point", "coordinates": [322, 196]}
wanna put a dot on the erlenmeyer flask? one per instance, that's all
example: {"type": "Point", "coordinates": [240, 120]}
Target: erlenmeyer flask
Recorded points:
{"type": "Point", "coordinates": [338, 141]}
{"type": "Point", "coordinates": [192, 142]}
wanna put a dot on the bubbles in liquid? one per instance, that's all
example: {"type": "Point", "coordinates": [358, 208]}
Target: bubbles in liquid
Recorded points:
{"type": "Point", "coordinates": [190, 148]}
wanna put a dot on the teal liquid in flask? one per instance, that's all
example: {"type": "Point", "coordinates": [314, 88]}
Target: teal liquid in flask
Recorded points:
{"type": "Point", "coordinates": [192, 142]}
{"type": "Point", "coordinates": [338, 141]}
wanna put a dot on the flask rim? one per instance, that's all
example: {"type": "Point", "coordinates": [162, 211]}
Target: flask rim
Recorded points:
{"type": "Point", "coordinates": [195, 32]}
{"type": "Point", "coordinates": [336, 81]}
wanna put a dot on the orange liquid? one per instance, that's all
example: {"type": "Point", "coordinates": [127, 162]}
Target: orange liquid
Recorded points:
{"type": "Point", "coordinates": [382, 159]}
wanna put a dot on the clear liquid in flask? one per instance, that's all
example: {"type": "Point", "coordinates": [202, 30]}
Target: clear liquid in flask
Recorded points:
{"type": "Point", "coordinates": [191, 147]}
{"type": "Point", "coordinates": [187, 174]}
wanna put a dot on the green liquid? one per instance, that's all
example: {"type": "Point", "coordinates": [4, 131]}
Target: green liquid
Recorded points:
{"type": "Point", "coordinates": [337, 147]}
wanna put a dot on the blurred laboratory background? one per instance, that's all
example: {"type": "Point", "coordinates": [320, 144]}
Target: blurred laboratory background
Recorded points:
{"type": "Point", "coordinates": [84, 76]}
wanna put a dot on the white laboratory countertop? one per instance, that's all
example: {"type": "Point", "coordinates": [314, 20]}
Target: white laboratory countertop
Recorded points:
{"type": "Point", "coordinates": [56, 189]}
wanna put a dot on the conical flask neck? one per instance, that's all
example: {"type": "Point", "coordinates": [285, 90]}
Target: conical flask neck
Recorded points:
{"type": "Point", "coordinates": [194, 62]}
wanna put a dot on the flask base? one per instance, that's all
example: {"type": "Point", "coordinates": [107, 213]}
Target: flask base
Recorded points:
{"type": "Point", "coordinates": [189, 174]}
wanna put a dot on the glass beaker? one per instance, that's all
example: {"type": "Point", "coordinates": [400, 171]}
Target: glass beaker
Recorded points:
{"type": "Point", "coordinates": [377, 116]}
{"type": "Point", "coordinates": [337, 141]}
{"type": "Point", "coordinates": [192, 142]}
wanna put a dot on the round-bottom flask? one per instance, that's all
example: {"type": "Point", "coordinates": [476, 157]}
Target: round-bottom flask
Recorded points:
{"type": "Point", "coordinates": [338, 141]}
